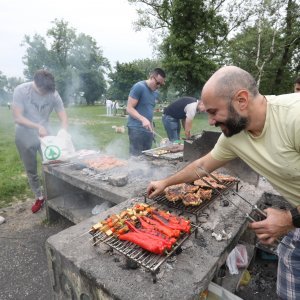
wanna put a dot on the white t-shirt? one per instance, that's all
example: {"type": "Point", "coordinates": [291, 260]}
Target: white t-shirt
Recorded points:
{"type": "Point", "coordinates": [191, 110]}
{"type": "Point", "coordinates": [109, 103]}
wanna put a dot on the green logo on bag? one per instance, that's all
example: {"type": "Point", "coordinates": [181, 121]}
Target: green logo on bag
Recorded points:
{"type": "Point", "coordinates": [52, 152]}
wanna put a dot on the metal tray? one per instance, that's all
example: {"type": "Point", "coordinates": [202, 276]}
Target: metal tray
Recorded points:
{"type": "Point", "coordinates": [163, 152]}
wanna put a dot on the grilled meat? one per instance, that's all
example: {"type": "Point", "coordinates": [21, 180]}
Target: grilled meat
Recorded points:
{"type": "Point", "coordinates": [224, 178]}
{"type": "Point", "coordinates": [192, 199]}
{"type": "Point", "coordinates": [174, 192]}
{"type": "Point", "coordinates": [177, 192]}
{"type": "Point", "coordinates": [205, 194]}
{"type": "Point", "coordinates": [175, 148]}
{"type": "Point", "coordinates": [203, 184]}
{"type": "Point", "coordinates": [189, 188]}
{"type": "Point", "coordinates": [104, 162]}
{"type": "Point", "coordinates": [195, 199]}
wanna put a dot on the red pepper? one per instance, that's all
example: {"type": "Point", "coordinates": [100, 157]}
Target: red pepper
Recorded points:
{"type": "Point", "coordinates": [144, 242]}
{"type": "Point", "coordinates": [169, 242]}
{"type": "Point", "coordinates": [171, 225]}
{"type": "Point", "coordinates": [162, 228]}
{"type": "Point", "coordinates": [145, 224]}
{"type": "Point", "coordinates": [172, 219]}
{"type": "Point", "coordinates": [149, 227]}
{"type": "Point", "coordinates": [153, 234]}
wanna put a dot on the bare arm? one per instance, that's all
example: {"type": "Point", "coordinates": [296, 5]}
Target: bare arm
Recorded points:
{"type": "Point", "coordinates": [131, 104]}
{"type": "Point", "coordinates": [187, 174]}
{"type": "Point", "coordinates": [187, 127]}
{"type": "Point", "coordinates": [20, 119]}
{"type": "Point", "coordinates": [62, 115]}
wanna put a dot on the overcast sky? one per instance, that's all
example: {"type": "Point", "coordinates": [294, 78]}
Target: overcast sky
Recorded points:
{"type": "Point", "coordinates": [109, 22]}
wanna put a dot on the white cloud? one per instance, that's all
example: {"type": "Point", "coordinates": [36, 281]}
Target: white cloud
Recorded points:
{"type": "Point", "coordinates": [109, 22]}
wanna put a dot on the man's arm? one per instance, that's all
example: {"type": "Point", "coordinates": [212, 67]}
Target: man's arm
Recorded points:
{"type": "Point", "coordinates": [62, 115]}
{"type": "Point", "coordinates": [20, 119]}
{"type": "Point", "coordinates": [187, 175]}
{"type": "Point", "coordinates": [131, 104]}
{"type": "Point", "coordinates": [187, 125]}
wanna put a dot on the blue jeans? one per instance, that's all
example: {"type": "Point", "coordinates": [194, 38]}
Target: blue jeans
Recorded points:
{"type": "Point", "coordinates": [139, 140]}
{"type": "Point", "coordinates": [172, 127]}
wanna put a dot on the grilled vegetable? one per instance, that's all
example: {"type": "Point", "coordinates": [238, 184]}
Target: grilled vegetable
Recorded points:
{"type": "Point", "coordinates": [162, 228]}
{"type": "Point", "coordinates": [144, 242]}
{"type": "Point", "coordinates": [182, 227]}
{"type": "Point", "coordinates": [154, 234]}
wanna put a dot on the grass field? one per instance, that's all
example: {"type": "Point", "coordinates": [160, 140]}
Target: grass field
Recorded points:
{"type": "Point", "coordinates": [89, 127]}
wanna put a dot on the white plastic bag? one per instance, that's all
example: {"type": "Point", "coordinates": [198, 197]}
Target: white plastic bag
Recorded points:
{"type": "Point", "coordinates": [59, 147]}
{"type": "Point", "coordinates": [237, 258]}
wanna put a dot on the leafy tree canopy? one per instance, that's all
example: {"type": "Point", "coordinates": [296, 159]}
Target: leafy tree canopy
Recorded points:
{"type": "Point", "coordinates": [126, 75]}
{"type": "Point", "coordinates": [75, 60]}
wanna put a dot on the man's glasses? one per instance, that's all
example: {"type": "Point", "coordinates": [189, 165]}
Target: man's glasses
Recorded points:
{"type": "Point", "coordinates": [158, 83]}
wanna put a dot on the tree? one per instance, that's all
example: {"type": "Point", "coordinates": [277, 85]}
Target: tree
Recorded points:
{"type": "Point", "coordinates": [76, 62]}
{"type": "Point", "coordinates": [37, 55]}
{"type": "Point", "coordinates": [291, 42]}
{"type": "Point", "coordinates": [268, 47]}
{"type": "Point", "coordinates": [192, 32]}
{"type": "Point", "coordinates": [127, 74]}
{"type": "Point", "coordinates": [123, 78]}
{"type": "Point", "coordinates": [12, 83]}
{"type": "Point", "coordinates": [88, 61]}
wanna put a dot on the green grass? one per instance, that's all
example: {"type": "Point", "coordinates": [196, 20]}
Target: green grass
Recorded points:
{"type": "Point", "coordinates": [89, 127]}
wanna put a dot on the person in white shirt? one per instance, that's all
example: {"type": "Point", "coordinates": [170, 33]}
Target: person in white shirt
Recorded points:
{"type": "Point", "coordinates": [182, 110]}
{"type": "Point", "coordinates": [108, 107]}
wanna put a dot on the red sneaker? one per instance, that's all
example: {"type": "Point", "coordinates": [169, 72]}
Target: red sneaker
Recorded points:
{"type": "Point", "coordinates": [37, 205]}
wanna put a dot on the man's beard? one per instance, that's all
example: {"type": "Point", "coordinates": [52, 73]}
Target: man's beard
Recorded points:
{"type": "Point", "coordinates": [234, 123]}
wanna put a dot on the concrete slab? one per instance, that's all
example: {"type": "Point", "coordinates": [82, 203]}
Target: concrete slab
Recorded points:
{"type": "Point", "coordinates": [73, 191]}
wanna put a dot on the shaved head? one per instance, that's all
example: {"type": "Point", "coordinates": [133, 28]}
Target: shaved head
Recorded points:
{"type": "Point", "coordinates": [227, 81]}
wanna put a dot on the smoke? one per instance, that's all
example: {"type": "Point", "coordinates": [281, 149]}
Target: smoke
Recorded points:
{"type": "Point", "coordinates": [117, 148]}
{"type": "Point", "coordinates": [81, 137]}
{"type": "Point", "coordinates": [145, 170]}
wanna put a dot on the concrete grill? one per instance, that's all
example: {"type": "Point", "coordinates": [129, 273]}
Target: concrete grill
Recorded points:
{"type": "Point", "coordinates": [72, 189]}
{"type": "Point", "coordinates": [82, 271]}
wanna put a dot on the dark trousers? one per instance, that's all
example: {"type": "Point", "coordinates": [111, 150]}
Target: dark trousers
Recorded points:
{"type": "Point", "coordinates": [28, 145]}
{"type": "Point", "coordinates": [139, 141]}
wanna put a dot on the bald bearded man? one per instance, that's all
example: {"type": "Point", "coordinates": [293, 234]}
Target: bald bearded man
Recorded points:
{"type": "Point", "coordinates": [264, 131]}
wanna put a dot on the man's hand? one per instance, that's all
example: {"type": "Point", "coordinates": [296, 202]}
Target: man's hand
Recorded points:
{"type": "Point", "coordinates": [155, 188]}
{"type": "Point", "coordinates": [277, 224]}
{"type": "Point", "coordinates": [42, 131]}
{"type": "Point", "coordinates": [188, 134]}
{"type": "Point", "coordinates": [147, 124]}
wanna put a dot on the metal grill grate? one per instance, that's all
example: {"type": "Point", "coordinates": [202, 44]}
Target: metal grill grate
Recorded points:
{"type": "Point", "coordinates": [144, 258]}
{"type": "Point", "coordinates": [195, 210]}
